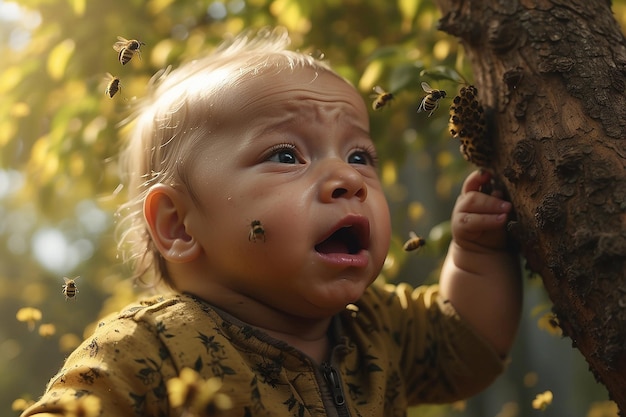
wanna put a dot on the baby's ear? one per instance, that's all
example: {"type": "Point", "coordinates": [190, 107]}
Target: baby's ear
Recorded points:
{"type": "Point", "coordinates": [164, 210]}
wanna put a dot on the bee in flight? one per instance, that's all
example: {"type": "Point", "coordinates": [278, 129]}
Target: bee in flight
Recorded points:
{"type": "Point", "coordinates": [69, 288]}
{"type": "Point", "coordinates": [127, 49]}
{"type": "Point", "coordinates": [414, 243]}
{"type": "Point", "coordinates": [431, 100]}
{"type": "Point", "coordinates": [256, 231]}
{"type": "Point", "coordinates": [381, 98]}
{"type": "Point", "coordinates": [113, 85]}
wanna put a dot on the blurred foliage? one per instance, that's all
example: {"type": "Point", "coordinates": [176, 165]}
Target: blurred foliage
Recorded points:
{"type": "Point", "coordinates": [59, 137]}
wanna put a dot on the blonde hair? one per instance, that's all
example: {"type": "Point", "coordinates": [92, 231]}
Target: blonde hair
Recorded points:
{"type": "Point", "coordinates": [180, 112]}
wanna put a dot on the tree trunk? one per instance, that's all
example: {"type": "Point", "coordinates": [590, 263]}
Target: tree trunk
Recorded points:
{"type": "Point", "coordinates": [551, 77]}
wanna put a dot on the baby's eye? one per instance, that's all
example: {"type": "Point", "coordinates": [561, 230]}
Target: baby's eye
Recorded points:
{"type": "Point", "coordinates": [283, 154]}
{"type": "Point", "coordinates": [362, 157]}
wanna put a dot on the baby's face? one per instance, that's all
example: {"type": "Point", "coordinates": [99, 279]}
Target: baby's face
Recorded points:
{"type": "Point", "coordinates": [291, 211]}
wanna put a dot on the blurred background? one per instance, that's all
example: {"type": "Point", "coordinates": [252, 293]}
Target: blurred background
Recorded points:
{"type": "Point", "coordinates": [59, 187]}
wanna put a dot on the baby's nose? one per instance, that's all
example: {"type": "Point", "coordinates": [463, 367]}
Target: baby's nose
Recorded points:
{"type": "Point", "coordinates": [341, 180]}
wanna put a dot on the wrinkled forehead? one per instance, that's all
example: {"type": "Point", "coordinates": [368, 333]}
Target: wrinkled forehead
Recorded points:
{"type": "Point", "coordinates": [311, 90]}
{"type": "Point", "coordinates": [231, 97]}
{"type": "Point", "coordinates": [303, 87]}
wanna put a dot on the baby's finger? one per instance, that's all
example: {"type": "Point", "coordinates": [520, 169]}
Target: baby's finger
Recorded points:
{"type": "Point", "coordinates": [475, 180]}
{"type": "Point", "coordinates": [481, 222]}
{"type": "Point", "coordinates": [484, 230]}
{"type": "Point", "coordinates": [476, 202]}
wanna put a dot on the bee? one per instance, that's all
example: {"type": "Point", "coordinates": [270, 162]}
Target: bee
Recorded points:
{"type": "Point", "coordinates": [381, 98]}
{"type": "Point", "coordinates": [431, 100]}
{"type": "Point", "coordinates": [554, 322]}
{"type": "Point", "coordinates": [69, 288]}
{"type": "Point", "coordinates": [256, 231]}
{"type": "Point", "coordinates": [127, 49]}
{"type": "Point", "coordinates": [113, 86]}
{"type": "Point", "coordinates": [414, 243]}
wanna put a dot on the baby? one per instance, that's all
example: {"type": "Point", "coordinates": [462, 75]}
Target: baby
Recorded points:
{"type": "Point", "coordinates": [255, 195]}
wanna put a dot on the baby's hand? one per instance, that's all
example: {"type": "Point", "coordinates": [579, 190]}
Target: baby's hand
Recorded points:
{"type": "Point", "coordinates": [479, 219]}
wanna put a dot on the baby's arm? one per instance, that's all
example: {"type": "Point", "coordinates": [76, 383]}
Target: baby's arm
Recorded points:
{"type": "Point", "coordinates": [480, 277]}
{"type": "Point", "coordinates": [118, 371]}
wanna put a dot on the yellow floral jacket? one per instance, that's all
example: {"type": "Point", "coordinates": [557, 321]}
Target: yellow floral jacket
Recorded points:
{"type": "Point", "coordinates": [396, 347]}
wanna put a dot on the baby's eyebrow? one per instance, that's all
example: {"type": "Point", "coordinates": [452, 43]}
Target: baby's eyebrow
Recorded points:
{"type": "Point", "coordinates": [278, 125]}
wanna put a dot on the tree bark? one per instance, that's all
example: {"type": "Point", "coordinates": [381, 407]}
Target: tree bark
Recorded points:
{"type": "Point", "coordinates": [551, 75]}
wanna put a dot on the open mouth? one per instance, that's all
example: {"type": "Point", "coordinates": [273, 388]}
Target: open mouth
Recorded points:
{"type": "Point", "coordinates": [349, 237]}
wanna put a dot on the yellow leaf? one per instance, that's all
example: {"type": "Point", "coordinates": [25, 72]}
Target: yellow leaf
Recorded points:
{"type": "Point", "coordinates": [370, 75]}
{"type": "Point", "coordinates": [195, 394]}
{"type": "Point", "coordinates": [235, 24]}
{"type": "Point", "coordinates": [47, 330]}
{"type": "Point", "coordinates": [93, 129]}
{"type": "Point", "coordinates": [28, 315]}
{"type": "Point", "coordinates": [389, 173]}
{"type": "Point", "coordinates": [290, 14]}
{"type": "Point", "coordinates": [86, 406]}
{"type": "Point", "coordinates": [444, 159]}
{"type": "Point", "coordinates": [441, 50]}
{"type": "Point", "coordinates": [160, 53]}
{"type": "Point", "coordinates": [531, 379]}
{"type": "Point", "coordinates": [39, 151]}
{"type": "Point", "coordinates": [157, 6]}
{"type": "Point", "coordinates": [78, 6]}
{"type": "Point", "coordinates": [21, 404]}
{"type": "Point", "coordinates": [603, 409]}
{"type": "Point", "coordinates": [543, 400]}
{"type": "Point", "coordinates": [416, 211]}
{"type": "Point", "coordinates": [77, 164]}
{"type": "Point", "coordinates": [43, 163]}
{"type": "Point", "coordinates": [20, 109]}
{"type": "Point", "coordinates": [59, 57]}
{"type": "Point", "coordinates": [7, 131]}
{"type": "Point", "coordinates": [408, 10]}
{"type": "Point", "coordinates": [69, 342]}
{"type": "Point", "coordinates": [459, 405]}
{"type": "Point", "coordinates": [10, 78]}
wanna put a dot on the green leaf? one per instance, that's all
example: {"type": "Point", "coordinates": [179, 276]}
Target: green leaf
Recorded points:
{"type": "Point", "coordinates": [442, 72]}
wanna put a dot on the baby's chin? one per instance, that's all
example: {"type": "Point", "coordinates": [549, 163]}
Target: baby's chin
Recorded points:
{"type": "Point", "coordinates": [335, 301]}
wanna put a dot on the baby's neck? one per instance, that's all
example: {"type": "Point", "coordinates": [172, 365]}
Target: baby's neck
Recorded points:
{"type": "Point", "coordinates": [318, 349]}
{"type": "Point", "coordinates": [310, 337]}
{"type": "Point", "coordinates": [307, 335]}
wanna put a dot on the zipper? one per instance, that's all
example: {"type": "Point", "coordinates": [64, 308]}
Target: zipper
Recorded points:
{"type": "Point", "coordinates": [334, 383]}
